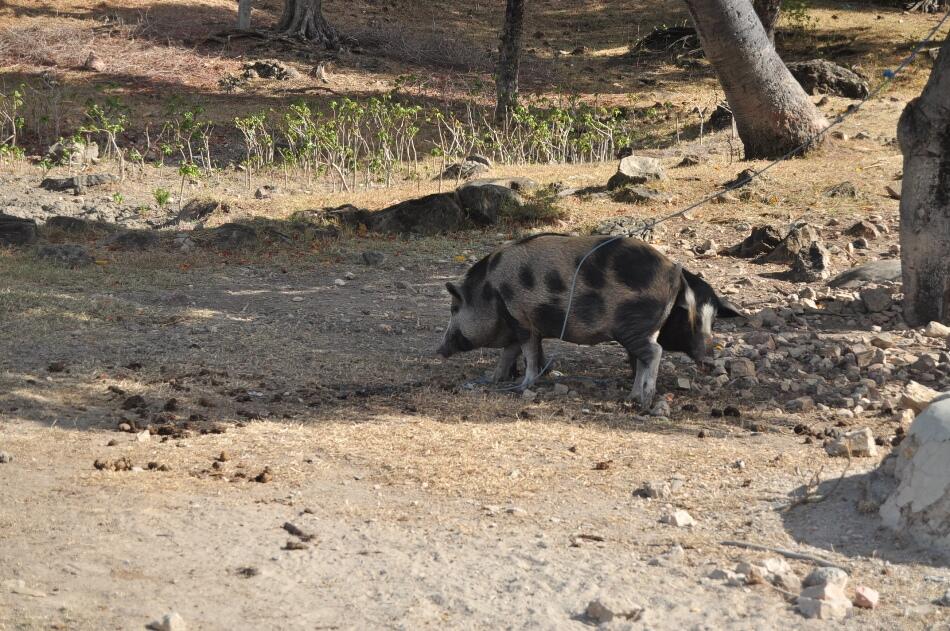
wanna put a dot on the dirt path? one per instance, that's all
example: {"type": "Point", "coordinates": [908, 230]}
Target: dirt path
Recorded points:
{"type": "Point", "coordinates": [429, 506]}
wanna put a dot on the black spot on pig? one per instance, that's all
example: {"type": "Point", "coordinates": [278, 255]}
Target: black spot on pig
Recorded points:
{"type": "Point", "coordinates": [636, 267]}
{"type": "Point", "coordinates": [474, 279]}
{"type": "Point", "coordinates": [526, 277]}
{"type": "Point", "coordinates": [459, 343]}
{"type": "Point", "coordinates": [676, 335]}
{"type": "Point", "coordinates": [549, 319]}
{"type": "Point", "coordinates": [488, 292]}
{"type": "Point", "coordinates": [637, 317]}
{"type": "Point", "coordinates": [589, 307]}
{"type": "Point", "coordinates": [506, 291]}
{"type": "Point", "coordinates": [513, 329]}
{"type": "Point", "coordinates": [494, 261]}
{"type": "Point", "coordinates": [554, 283]}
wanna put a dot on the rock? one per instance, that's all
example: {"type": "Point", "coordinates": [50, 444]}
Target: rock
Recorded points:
{"type": "Point", "coordinates": [269, 69]}
{"type": "Point", "coordinates": [71, 225]}
{"type": "Point", "coordinates": [801, 404]}
{"type": "Point", "coordinates": [561, 389]}
{"type": "Point", "coordinates": [823, 610]}
{"type": "Point", "coordinates": [372, 258]}
{"type": "Point", "coordinates": [639, 195]}
{"type": "Point", "coordinates": [463, 170]}
{"type": "Point", "coordinates": [741, 367]}
{"type": "Point", "coordinates": [615, 226]}
{"type": "Point", "coordinates": [844, 189]}
{"type": "Point", "coordinates": [5, 457]}
{"type": "Point", "coordinates": [197, 210]}
{"type": "Point", "coordinates": [519, 184]}
{"type": "Point", "coordinates": [67, 254]}
{"type": "Point", "coordinates": [18, 586]}
{"type": "Point", "coordinates": [706, 247]}
{"type": "Point", "coordinates": [865, 597]}
{"type": "Point", "coordinates": [94, 63]}
{"type": "Point", "coordinates": [486, 203]}
{"type": "Point", "coordinates": [864, 229]}
{"type": "Point", "coordinates": [874, 272]}
{"type": "Point", "coordinates": [16, 231]}
{"type": "Point", "coordinates": [798, 238]}
{"type": "Point", "coordinates": [680, 519]}
{"type": "Point", "coordinates": [944, 601]}
{"type": "Point", "coordinates": [877, 299]}
{"type": "Point", "coordinates": [232, 235]}
{"type": "Point", "coordinates": [690, 160]}
{"type": "Point", "coordinates": [938, 330]}
{"type": "Point", "coordinates": [439, 213]}
{"type": "Point", "coordinates": [636, 170]}
{"type": "Point", "coordinates": [78, 183]}
{"type": "Point", "coordinates": [920, 506]}
{"type": "Point", "coordinates": [661, 409]}
{"type": "Point", "coordinates": [917, 396]}
{"type": "Point", "coordinates": [763, 240]}
{"type": "Point", "coordinates": [811, 264]}
{"type": "Point", "coordinates": [721, 118]}
{"type": "Point", "coordinates": [132, 240]}
{"type": "Point", "coordinates": [819, 75]}
{"type": "Point", "coordinates": [480, 159]}
{"type": "Point", "coordinates": [607, 607]}
{"type": "Point", "coordinates": [72, 152]}
{"type": "Point", "coordinates": [656, 489]}
{"type": "Point", "coordinates": [858, 443]}
{"type": "Point", "coordinates": [169, 622]}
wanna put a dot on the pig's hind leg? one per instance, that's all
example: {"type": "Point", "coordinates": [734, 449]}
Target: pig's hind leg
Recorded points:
{"type": "Point", "coordinates": [533, 356]}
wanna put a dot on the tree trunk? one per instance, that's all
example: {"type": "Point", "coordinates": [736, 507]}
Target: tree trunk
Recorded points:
{"type": "Point", "coordinates": [244, 14]}
{"type": "Point", "coordinates": [924, 135]}
{"type": "Point", "coordinates": [304, 19]}
{"type": "Point", "coordinates": [768, 12]}
{"type": "Point", "coordinates": [509, 58]}
{"type": "Point", "coordinates": [772, 112]}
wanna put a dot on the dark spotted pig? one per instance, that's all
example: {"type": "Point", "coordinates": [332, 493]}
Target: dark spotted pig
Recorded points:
{"type": "Point", "coordinates": [626, 291]}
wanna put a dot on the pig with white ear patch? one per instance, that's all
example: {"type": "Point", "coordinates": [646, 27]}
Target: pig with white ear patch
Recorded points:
{"type": "Point", "coordinates": [626, 291]}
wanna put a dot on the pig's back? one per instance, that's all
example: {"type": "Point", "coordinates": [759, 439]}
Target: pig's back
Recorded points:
{"type": "Point", "coordinates": [622, 280]}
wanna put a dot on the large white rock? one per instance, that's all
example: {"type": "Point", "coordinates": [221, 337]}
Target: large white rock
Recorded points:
{"type": "Point", "coordinates": [920, 505]}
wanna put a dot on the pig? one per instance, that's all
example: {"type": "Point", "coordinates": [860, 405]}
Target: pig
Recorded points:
{"type": "Point", "coordinates": [626, 291]}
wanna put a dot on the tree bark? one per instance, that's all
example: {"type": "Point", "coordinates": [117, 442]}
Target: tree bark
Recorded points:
{"type": "Point", "coordinates": [509, 59]}
{"type": "Point", "coordinates": [244, 14]}
{"type": "Point", "coordinates": [304, 19]}
{"type": "Point", "coordinates": [768, 12]}
{"type": "Point", "coordinates": [924, 135]}
{"type": "Point", "coordinates": [772, 112]}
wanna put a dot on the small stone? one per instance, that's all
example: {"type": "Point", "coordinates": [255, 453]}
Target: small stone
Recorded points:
{"type": "Point", "coordinates": [169, 622]}
{"type": "Point", "coordinates": [297, 299]}
{"type": "Point", "coordinates": [680, 519]}
{"type": "Point", "coordinates": [661, 409]}
{"type": "Point", "coordinates": [529, 395]}
{"type": "Point", "coordinates": [606, 608]}
{"type": "Point", "coordinates": [917, 396]}
{"type": "Point", "coordinates": [561, 389]}
{"type": "Point", "coordinates": [801, 404]}
{"type": "Point", "coordinates": [826, 576]}
{"type": "Point", "coordinates": [682, 383]}
{"type": "Point", "coordinates": [143, 436]}
{"type": "Point", "coordinates": [656, 489]}
{"type": "Point", "coordinates": [134, 402]}
{"type": "Point", "coordinates": [863, 228]}
{"type": "Point", "coordinates": [824, 609]}
{"type": "Point", "coordinates": [865, 597]}
{"type": "Point", "coordinates": [944, 601]}
{"type": "Point", "coordinates": [938, 330]}
{"type": "Point", "coordinates": [877, 299]}
{"type": "Point", "coordinates": [372, 258]}
{"type": "Point", "coordinates": [5, 457]}
{"type": "Point", "coordinates": [741, 367]}
{"type": "Point", "coordinates": [339, 282]}
{"type": "Point", "coordinates": [859, 443]}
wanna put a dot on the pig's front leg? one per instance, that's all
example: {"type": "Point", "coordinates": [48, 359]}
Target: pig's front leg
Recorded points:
{"type": "Point", "coordinates": [505, 368]}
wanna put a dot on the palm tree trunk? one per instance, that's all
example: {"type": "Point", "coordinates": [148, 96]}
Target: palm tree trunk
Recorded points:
{"type": "Point", "coordinates": [509, 59]}
{"type": "Point", "coordinates": [304, 19]}
{"type": "Point", "coordinates": [924, 135]}
{"type": "Point", "coordinates": [773, 114]}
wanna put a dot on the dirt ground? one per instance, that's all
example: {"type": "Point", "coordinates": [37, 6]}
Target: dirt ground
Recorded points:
{"type": "Point", "coordinates": [263, 437]}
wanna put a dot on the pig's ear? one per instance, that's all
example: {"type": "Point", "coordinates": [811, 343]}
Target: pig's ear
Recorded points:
{"type": "Point", "coordinates": [454, 291]}
{"type": "Point", "coordinates": [728, 310]}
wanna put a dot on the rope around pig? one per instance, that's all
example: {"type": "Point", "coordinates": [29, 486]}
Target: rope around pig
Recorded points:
{"type": "Point", "coordinates": [646, 227]}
